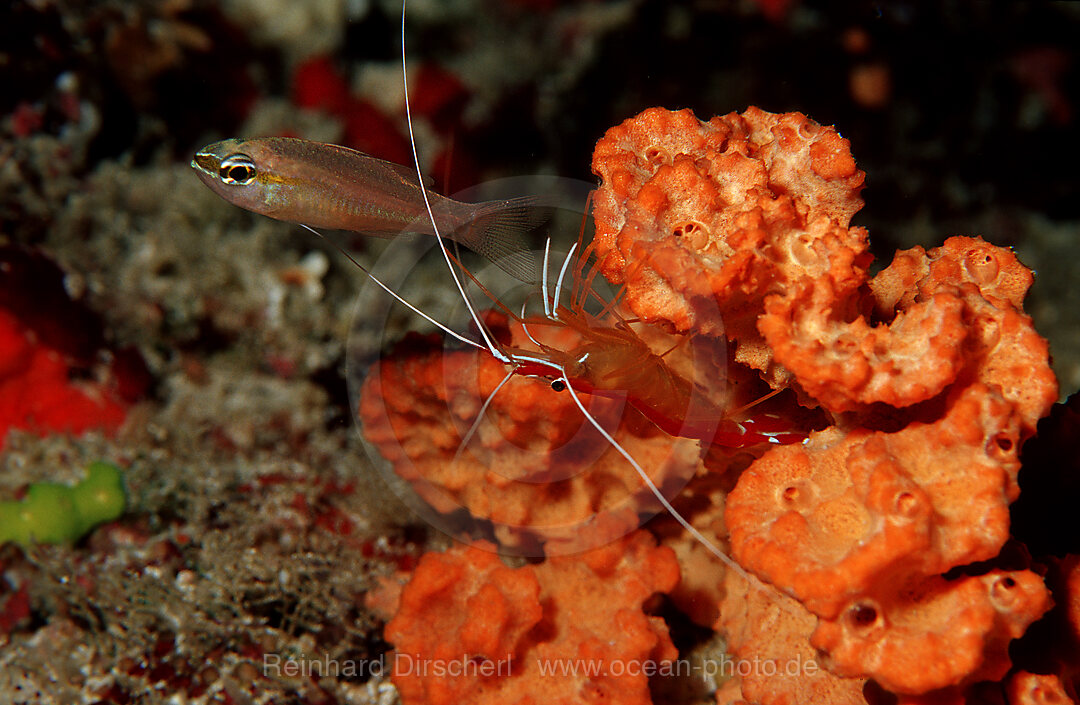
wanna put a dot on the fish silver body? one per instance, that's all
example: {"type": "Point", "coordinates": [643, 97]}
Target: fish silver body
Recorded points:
{"type": "Point", "coordinates": [329, 186]}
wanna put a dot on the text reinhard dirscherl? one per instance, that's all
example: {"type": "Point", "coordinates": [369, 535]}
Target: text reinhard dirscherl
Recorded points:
{"type": "Point", "coordinates": [401, 664]}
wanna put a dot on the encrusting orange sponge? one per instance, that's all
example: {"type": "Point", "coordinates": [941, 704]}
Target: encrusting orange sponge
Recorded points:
{"type": "Point", "coordinates": [873, 549]}
{"type": "Point", "coordinates": [847, 515]}
{"type": "Point", "coordinates": [956, 307]}
{"type": "Point", "coordinates": [533, 626]}
{"type": "Point", "coordinates": [703, 220]}
{"type": "Point", "coordinates": [936, 633]}
{"type": "Point", "coordinates": [534, 467]}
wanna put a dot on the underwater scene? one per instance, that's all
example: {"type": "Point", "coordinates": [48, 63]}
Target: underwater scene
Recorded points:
{"type": "Point", "coordinates": [609, 351]}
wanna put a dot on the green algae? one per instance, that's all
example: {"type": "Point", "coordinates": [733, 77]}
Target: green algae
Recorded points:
{"type": "Point", "coordinates": [55, 513]}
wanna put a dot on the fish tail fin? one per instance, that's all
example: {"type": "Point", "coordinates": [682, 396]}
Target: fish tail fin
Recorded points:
{"type": "Point", "coordinates": [498, 232]}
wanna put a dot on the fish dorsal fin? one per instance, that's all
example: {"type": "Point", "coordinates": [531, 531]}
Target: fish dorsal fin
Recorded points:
{"type": "Point", "coordinates": [407, 174]}
{"type": "Point", "coordinates": [357, 160]}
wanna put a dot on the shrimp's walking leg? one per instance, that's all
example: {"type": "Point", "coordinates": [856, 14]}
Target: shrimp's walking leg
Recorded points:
{"type": "Point", "coordinates": [750, 405]}
{"type": "Point", "coordinates": [586, 249]}
{"type": "Point", "coordinates": [674, 347]}
{"type": "Point", "coordinates": [543, 280]}
{"type": "Point", "coordinates": [610, 306]}
{"type": "Point", "coordinates": [480, 416]}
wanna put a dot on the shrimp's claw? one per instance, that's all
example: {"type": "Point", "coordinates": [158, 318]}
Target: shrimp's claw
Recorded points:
{"type": "Point", "coordinates": [498, 231]}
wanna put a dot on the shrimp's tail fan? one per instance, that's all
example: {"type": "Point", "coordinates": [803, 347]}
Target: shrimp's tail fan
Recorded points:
{"type": "Point", "coordinates": [499, 230]}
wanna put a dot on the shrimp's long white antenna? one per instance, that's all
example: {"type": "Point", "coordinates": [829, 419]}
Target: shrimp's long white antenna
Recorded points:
{"type": "Point", "coordinates": [492, 348]}
{"type": "Point", "coordinates": [558, 284]}
{"type": "Point", "coordinates": [388, 290]}
{"type": "Point", "coordinates": [652, 485]}
{"type": "Point", "coordinates": [480, 415]}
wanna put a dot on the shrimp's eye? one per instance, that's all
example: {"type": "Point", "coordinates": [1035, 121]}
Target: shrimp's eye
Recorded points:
{"type": "Point", "coordinates": [237, 170]}
{"type": "Point", "coordinates": [558, 385]}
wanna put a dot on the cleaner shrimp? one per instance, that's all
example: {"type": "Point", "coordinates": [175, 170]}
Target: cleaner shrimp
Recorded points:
{"type": "Point", "coordinates": [611, 359]}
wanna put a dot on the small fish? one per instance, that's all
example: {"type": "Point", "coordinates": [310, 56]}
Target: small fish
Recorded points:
{"type": "Point", "coordinates": [329, 186]}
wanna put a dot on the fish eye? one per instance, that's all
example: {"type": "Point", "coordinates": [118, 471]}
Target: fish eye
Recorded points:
{"type": "Point", "coordinates": [558, 385]}
{"type": "Point", "coordinates": [237, 170]}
